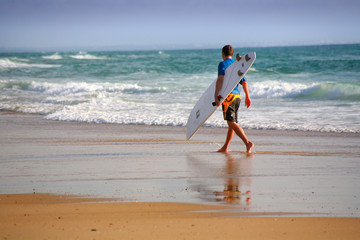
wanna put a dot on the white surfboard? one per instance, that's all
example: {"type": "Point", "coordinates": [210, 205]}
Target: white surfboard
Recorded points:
{"type": "Point", "coordinates": [205, 106]}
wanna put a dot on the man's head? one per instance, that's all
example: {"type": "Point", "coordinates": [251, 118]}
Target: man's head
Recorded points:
{"type": "Point", "coordinates": [228, 51]}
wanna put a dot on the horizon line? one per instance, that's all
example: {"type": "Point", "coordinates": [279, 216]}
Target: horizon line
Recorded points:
{"type": "Point", "coordinates": [126, 48]}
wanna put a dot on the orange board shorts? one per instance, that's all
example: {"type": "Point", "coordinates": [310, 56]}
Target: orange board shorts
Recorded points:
{"type": "Point", "coordinates": [230, 107]}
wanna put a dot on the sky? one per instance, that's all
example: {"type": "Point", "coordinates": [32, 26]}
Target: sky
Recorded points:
{"type": "Point", "coordinates": [175, 24]}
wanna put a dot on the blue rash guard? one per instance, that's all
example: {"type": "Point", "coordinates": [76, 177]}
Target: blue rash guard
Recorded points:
{"type": "Point", "coordinates": [221, 71]}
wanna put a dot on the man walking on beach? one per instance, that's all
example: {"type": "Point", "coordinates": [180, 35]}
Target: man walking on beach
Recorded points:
{"type": "Point", "coordinates": [231, 104]}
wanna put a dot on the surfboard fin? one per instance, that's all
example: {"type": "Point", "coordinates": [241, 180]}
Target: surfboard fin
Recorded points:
{"type": "Point", "coordinates": [247, 58]}
{"type": "Point", "coordinates": [238, 57]}
{"type": "Point", "coordinates": [240, 73]}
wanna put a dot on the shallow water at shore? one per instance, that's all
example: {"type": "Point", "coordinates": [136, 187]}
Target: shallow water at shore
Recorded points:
{"type": "Point", "coordinates": [291, 172]}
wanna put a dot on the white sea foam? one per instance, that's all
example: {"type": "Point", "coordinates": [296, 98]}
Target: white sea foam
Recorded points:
{"type": "Point", "coordinates": [55, 56]}
{"type": "Point", "coordinates": [58, 89]}
{"type": "Point", "coordinates": [112, 110]}
{"type": "Point", "coordinates": [277, 89]}
{"type": "Point", "coordinates": [85, 88]}
{"type": "Point", "coordinates": [323, 90]}
{"type": "Point", "coordinates": [20, 59]}
{"type": "Point", "coordinates": [84, 55]}
{"type": "Point", "coordinates": [132, 103]}
{"type": "Point", "coordinates": [8, 63]}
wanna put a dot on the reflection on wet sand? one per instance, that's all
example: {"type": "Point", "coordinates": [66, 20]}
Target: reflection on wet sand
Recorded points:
{"type": "Point", "coordinates": [222, 177]}
{"type": "Point", "coordinates": [232, 192]}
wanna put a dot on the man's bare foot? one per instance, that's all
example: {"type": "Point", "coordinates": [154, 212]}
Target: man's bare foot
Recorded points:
{"type": "Point", "coordinates": [249, 146]}
{"type": "Point", "coordinates": [223, 150]}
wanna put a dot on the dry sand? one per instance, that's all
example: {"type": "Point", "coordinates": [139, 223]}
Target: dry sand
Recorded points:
{"type": "Point", "coordinates": [39, 216]}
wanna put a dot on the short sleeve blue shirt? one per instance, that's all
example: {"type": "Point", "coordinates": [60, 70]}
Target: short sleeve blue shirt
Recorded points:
{"type": "Point", "coordinates": [221, 71]}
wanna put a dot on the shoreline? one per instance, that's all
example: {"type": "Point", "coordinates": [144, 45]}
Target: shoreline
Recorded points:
{"type": "Point", "coordinates": [255, 131]}
{"type": "Point", "coordinates": [35, 216]}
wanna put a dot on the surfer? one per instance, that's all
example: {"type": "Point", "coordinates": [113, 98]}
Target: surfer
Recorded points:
{"type": "Point", "coordinates": [231, 104]}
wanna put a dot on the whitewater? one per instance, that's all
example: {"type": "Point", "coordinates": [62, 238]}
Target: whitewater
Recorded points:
{"type": "Point", "coordinates": [308, 88]}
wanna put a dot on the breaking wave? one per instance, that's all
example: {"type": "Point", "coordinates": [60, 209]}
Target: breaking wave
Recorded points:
{"type": "Point", "coordinates": [6, 63]}
{"type": "Point", "coordinates": [85, 55]}
{"type": "Point", "coordinates": [55, 56]}
{"type": "Point", "coordinates": [317, 91]}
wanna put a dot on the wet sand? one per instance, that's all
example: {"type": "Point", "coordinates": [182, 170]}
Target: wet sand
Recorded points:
{"type": "Point", "coordinates": [305, 175]}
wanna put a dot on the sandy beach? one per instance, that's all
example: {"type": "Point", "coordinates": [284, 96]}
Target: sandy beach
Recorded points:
{"type": "Point", "coordinates": [132, 181]}
{"type": "Point", "coordinates": [38, 216]}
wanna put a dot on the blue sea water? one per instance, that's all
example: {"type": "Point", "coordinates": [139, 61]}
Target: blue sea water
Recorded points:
{"type": "Point", "coordinates": [307, 88]}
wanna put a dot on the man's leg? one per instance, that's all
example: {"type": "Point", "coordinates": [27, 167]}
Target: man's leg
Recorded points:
{"type": "Point", "coordinates": [229, 137]}
{"type": "Point", "coordinates": [240, 132]}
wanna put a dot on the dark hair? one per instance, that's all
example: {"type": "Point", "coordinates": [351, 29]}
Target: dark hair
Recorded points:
{"type": "Point", "coordinates": [228, 50]}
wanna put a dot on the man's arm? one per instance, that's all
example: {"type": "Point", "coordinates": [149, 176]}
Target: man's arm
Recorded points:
{"type": "Point", "coordinates": [247, 96]}
{"type": "Point", "coordinates": [218, 87]}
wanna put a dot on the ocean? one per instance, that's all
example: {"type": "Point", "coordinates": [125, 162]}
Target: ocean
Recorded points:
{"type": "Point", "coordinates": [303, 88]}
